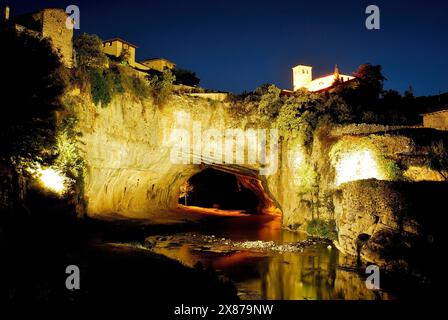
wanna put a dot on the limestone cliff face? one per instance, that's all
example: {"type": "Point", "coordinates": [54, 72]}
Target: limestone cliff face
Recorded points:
{"type": "Point", "coordinates": [128, 145]}
{"type": "Point", "coordinates": [128, 157]}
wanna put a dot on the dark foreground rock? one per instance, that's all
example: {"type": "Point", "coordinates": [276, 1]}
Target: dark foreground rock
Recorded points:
{"type": "Point", "coordinates": [35, 257]}
{"type": "Point", "coordinates": [400, 226]}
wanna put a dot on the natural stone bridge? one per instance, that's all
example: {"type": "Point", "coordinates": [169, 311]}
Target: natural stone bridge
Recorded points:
{"type": "Point", "coordinates": [128, 149]}
{"type": "Point", "coordinates": [129, 146]}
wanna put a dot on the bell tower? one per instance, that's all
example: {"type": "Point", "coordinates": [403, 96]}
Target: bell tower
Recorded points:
{"type": "Point", "coordinates": [6, 12]}
{"type": "Point", "coordinates": [301, 75]}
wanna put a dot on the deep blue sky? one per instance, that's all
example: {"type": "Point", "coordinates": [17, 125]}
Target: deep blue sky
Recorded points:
{"type": "Point", "coordinates": [237, 45]}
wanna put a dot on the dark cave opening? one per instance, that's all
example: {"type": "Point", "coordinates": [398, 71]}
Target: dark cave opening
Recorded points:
{"type": "Point", "coordinates": [218, 189]}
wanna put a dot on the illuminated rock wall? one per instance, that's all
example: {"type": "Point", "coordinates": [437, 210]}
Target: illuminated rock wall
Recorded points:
{"type": "Point", "coordinates": [128, 157]}
{"type": "Point", "coordinates": [128, 147]}
{"type": "Point", "coordinates": [389, 203]}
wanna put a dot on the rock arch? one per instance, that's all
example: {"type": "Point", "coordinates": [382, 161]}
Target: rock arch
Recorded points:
{"type": "Point", "coordinates": [127, 150]}
{"type": "Point", "coordinates": [249, 179]}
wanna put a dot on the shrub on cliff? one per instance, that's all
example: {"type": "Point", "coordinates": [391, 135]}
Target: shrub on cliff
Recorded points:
{"type": "Point", "coordinates": [186, 77]}
{"type": "Point", "coordinates": [68, 154]}
{"type": "Point", "coordinates": [438, 158]}
{"type": "Point", "coordinates": [106, 83]}
{"type": "Point", "coordinates": [299, 116]}
{"type": "Point", "coordinates": [269, 103]}
{"type": "Point", "coordinates": [126, 79]}
{"type": "Point", "coordinates": [162, 86]}
{"type": "Point", "coordinates": [139, 87]}
{"type": "Point", "coordinates": [106, 76]}
{"type": "Point", "coordinates": [338, 109]}
{"type": "Point", "coordinates": [88, 51]}
{"type": "Point", "coordinates": [100, 87]}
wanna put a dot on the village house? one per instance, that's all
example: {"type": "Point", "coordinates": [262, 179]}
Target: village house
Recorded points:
{"type": "Point", "coordinates": [303, 78]}
{"type": "Point", "coordinates": [51, 23]}
{"type": "Point", "coordinates": [117, 47]}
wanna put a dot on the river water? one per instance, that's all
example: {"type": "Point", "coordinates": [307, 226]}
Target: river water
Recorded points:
{"type": "Point", "coordinates": [253, 252]}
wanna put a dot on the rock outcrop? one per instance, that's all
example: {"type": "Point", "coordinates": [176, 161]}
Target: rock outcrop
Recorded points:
{"type": "Point", "coordinates": [396, 225]}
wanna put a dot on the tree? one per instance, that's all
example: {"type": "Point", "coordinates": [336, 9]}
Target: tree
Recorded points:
{"type": "Point", "coordinates": [370, 79]}
{"type": "Point", "coordinates": [290, 113]}
{"type": "Point", "coordinates": [89, 53]}
{"type": "Point", "coordinates": [362, 95]}
{"type": "Point", "coordinates": [31, 94]}
{"type": "Point", "coordinates": [300, 115]}
{"type": "Point", "coordinates": [186, 77]}
{"type": "Point", "coordinates": [270, 102]}
{"type": "Point", "coordinates": [185, 189]}
{"type": "Point", "coordinates": [338, 109]}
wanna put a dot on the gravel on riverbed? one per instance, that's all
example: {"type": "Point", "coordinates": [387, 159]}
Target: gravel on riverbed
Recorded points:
{"type": "Point", "coordinates": [214, 244]}
{"type": "Point", "coordinates": [275, 246]}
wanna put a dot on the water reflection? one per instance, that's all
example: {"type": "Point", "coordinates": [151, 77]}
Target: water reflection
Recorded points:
{"type": "Point", "coordinates": [314, 273]}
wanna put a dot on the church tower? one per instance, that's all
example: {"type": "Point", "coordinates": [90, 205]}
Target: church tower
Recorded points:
{"type": "Point", "coordinates": [6, 13]}
{"type": "Point", "coordinates": [302, 75]}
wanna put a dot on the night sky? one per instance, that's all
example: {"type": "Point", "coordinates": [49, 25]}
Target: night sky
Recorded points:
{"type": "Point", "coordinates": [239, 45]}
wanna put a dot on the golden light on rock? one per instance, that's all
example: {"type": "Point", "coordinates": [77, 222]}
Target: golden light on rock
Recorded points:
{"type": "Point", "coordinates": [52, 180]}
{"type": "Point", "coordinates": [296, 158]}
{"type": "Point", "coordinates": [357, 165]}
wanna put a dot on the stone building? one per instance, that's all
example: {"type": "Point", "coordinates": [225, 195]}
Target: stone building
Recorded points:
{"type": "Point", "coordinates": [437, 120]}
{"type": "Point", "coordinates": [116, 47]}
{"type": "Point", "coordinates": [48, 23]}
{"type": "Point", "coordinates": [303, 78]}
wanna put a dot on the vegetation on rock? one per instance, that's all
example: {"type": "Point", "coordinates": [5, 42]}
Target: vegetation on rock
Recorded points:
{"type": "Point", "coordinates": [89, 53]}
{"type": "Point", "coordinates": [105, 77]}
{"type": "Point", "coordinates": [27, 123]}
{"type": "Point", "coordinates": [438, 158]}
{"type": "Point", "coordinates": [162, 86]}
{"type": "Point", "coordinates": [322, 229]}
{"type": "Point", "coordinates": [186, 77]}
{"type": "Point", "coordinates": [100, 87]}
{"type": "Point", "coordinates": [68, 152]}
